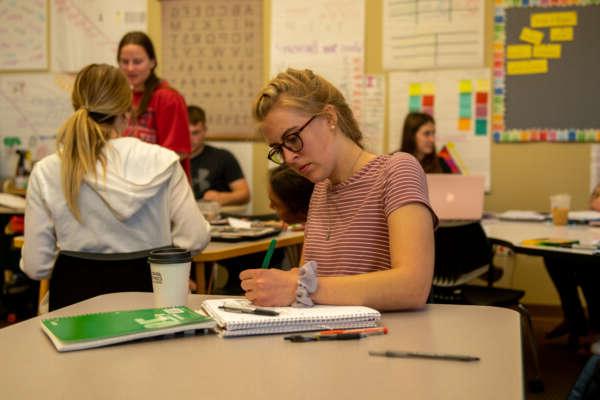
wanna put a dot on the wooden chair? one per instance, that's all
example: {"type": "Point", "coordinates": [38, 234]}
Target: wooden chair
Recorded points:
{"type": "Point", "coordinates": [79, 276]}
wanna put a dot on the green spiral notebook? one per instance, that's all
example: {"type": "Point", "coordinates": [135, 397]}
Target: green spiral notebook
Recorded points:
{"type": "Point", "coordinates": [101, 329]}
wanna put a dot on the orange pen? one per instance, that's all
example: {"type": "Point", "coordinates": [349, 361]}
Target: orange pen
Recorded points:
{"type": "Point", "coordinates": [380, 330]}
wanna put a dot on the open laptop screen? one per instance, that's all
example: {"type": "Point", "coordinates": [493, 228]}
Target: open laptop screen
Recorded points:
{"type": "Point", "coordinates": [456, 197]}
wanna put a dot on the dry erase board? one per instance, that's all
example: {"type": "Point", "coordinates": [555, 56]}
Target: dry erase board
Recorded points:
{"type": "Point", "coordinates": [212, 54]}
{"type": "Point", "coordinates": [546, 71]}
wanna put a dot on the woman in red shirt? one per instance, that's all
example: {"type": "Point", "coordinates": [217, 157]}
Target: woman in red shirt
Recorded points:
{"type": "Point", "coordinates": [159, 112]}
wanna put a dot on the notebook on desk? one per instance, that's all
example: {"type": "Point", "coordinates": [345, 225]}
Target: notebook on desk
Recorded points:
{"type": "Point", "coordinates": [288, 319]}
{"type": "Point", "coordinates": [456, 197]}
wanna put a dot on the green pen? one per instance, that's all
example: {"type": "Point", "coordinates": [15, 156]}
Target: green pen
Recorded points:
{"type": "Point", "coordinates": [269, 254]}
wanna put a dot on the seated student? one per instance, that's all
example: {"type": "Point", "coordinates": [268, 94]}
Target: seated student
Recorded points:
{"type": "Point", "coordinates": [418, 139]}
{"type": "Point", "coordinates": [102, 193]}
{"type": "Point", "coordinates": [370, 225]}
{"type": "Point", "coordinates": [289, 194]}
{"type": "Point", "coordinates": [216, 174]}
{"type": "Point", "coordinates": [568, 274]}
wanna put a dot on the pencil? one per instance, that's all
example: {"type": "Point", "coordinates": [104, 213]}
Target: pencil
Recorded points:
{"type": "Point", "coordinates": [269, 254]}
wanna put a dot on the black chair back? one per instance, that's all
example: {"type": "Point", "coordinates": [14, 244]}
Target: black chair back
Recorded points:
{"type": "Point", "coordinates": [80, 276]}
{"type": "Point", "coordinates": [460, 250]}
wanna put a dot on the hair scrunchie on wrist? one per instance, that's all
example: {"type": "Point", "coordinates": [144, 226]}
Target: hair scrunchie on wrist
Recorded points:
{"type": "Point", "coordinates": [307, 284]}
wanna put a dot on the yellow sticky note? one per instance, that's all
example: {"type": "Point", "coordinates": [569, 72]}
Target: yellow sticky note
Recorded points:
{"type": "Point", "coordinates": [527, 67]}
{"type": "Point", "coordinates": [516, 51]}
{"type": "Point", "coordinates": [561, 34]}
{"type": "Point", "coordinates": [464, 124]}
{"type": "Point", "coordinates": [531, 36]}
{"type": "Point", "coordinates": [546, 20]}
{"type": "Point", "coordinates": [428, 88]}
{"type": "Point", "coordinates": [414, 89]}
{"type": "Point", "coordinates": [482, 85]}
{"type": "Point", "coordinates": [547, 51]}
{"type": "Point", "coordinates": [465, 86]}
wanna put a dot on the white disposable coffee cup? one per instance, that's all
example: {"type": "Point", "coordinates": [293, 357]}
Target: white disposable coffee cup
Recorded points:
{"type": "Point", "coordinates": [170, 270]}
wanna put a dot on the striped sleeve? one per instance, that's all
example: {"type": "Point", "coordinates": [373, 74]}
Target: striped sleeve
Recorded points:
{"type": "Point", "coordinates": [405, 183]}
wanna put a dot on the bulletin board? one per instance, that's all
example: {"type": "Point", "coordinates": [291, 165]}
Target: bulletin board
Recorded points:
{"type": "Point", "coordinates": [213, 55]}
{"type": "Point", "coordinates": [546, 76]}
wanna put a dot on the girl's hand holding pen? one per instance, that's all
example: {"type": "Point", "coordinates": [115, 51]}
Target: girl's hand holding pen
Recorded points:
{"type": "Point", "coordinates": [270, 287]}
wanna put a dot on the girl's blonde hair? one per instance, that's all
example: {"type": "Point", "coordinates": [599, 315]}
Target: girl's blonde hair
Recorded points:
{"type": "Point", "coordinates": [100, 94]}
{"type": "Point", "coordinates": [307, 92]}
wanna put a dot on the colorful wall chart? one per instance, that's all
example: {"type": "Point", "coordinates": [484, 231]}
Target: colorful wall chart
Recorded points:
{"type": "Point", "coordinates": [546, 55]}
{"type": "Point", "coordinates": [460, 105]}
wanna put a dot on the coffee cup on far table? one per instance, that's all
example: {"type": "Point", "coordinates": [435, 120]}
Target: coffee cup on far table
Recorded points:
{"type": "Point", "coordinates": [559, 206]}
{"type": "Point", "coordinates": [170, 270]}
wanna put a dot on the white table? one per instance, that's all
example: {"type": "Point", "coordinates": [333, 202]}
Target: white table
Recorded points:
{"type": "Point", "coordinates": [267, 367]}
{"type": "Point", "coordinates": [513, 233]}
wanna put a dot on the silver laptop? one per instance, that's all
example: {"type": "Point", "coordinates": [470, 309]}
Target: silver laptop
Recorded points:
{"type": "Point", "coordinates": [456, 197]}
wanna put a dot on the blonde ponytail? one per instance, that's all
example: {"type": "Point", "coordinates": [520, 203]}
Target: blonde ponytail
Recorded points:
{"type": "Point", "coordinates": [100, 94]}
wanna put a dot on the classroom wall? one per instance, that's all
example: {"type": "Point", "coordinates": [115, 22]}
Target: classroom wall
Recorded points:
{"type": "Point", "coordinates": [523, 175]}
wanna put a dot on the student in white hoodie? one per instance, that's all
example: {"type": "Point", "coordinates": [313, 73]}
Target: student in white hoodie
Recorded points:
{"type": "Point", "coordinates": [103, 193]}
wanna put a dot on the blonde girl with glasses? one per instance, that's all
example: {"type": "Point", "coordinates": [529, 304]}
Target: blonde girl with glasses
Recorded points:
{"type": "Point", "coordinates": [369, 233]}
{"type": "Point", "coordinates": [102, 193]}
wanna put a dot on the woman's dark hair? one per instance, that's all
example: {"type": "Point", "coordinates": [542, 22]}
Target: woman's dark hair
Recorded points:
{"type": "Point", "coordinates": [141, 39]}
{"type": "Point", "coordinates": [292, 189]}
{"type": "Point", "coordinates": [412, 123]}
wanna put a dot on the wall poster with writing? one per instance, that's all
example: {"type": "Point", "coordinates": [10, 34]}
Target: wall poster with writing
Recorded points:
{"type": "Point", "coordinates": [23, 27]}
{"type": "Point", "coordinates": [212, 54]}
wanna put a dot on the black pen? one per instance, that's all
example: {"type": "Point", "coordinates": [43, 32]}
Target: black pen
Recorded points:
{"type": "Point", "coordinates": [414, 354]}
{"type": "Point", "coordinates": [249, 310]}
{"type": "Point", "coordinates": [314, 338]}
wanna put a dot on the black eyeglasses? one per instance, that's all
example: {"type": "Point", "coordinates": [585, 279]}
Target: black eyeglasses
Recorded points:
{"type": "Point", "coordinates": [291, 141]}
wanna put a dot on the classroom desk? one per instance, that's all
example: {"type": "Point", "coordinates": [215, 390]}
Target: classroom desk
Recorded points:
{"type": "Point", "coordinates": [267, 367]}
{"type": "Point", "coordinates": [216, 251]}
{"type": "Point", "coordinates": [11, 211]}
{"type": "Point", "coordinates": [511, 234]}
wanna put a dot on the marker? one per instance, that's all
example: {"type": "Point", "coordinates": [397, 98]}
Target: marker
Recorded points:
{"type": "Point", "coordinates": [414, 354]}
{"type": "Point", "coordinates": [269, 254]}
{"type": "Point", "coordinates": [380, 330]}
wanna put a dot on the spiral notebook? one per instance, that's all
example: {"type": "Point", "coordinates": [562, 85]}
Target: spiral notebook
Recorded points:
{"type": "Point", "coordinates": [85, 331]}
{"type": "Point", "coordinates": [290, 319]}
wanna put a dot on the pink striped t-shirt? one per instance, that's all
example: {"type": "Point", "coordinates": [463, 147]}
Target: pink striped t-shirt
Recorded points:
{"type": "Point", "coordinates": [347, 232]}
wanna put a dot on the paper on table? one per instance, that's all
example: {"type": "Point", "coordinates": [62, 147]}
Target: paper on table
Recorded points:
{"type": "Point", "coordinates": [239, 223]}
{"type": "Point", "coordinates": [522, 215]}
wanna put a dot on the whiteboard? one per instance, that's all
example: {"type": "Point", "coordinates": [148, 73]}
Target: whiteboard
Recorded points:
{"type": "Point", "coordinates": [326, 36]}
{"type": "Point", "coordinates": [88, 31]}
{"type": "Point", "coordinates": [32, 109]}
{"type": "Point", "coordinates": [23, 26]}
{"type": "Point", "coordinates": [455, 96]}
